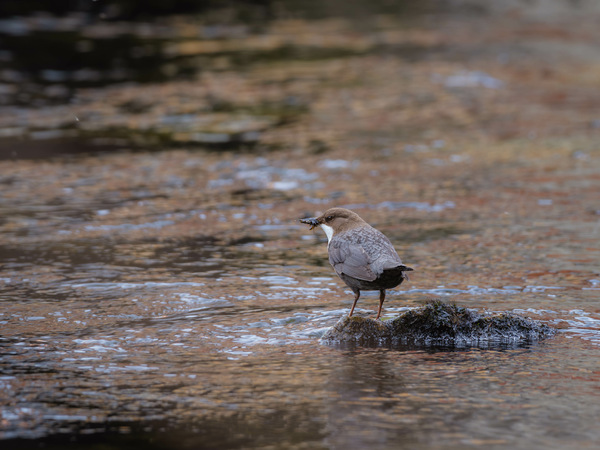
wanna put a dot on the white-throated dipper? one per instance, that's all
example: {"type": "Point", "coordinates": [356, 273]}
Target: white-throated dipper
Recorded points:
{"type": "Point", "coordinates": [361, 255]}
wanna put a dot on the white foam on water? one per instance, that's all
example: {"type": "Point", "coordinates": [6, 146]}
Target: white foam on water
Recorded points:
{"type": "Point", "coordinates": [147, 284]}
{"type": "Point", "coordinates": [278, 279]}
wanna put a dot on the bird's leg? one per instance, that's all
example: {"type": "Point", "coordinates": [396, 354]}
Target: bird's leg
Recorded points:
{"type": "Point", "coordinates": [356, 296]}
{"type": "Point", "coordinates": [381, 300]}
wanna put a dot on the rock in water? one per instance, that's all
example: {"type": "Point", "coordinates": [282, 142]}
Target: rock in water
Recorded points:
{"type": "Point", "coordinates": [441, 324]}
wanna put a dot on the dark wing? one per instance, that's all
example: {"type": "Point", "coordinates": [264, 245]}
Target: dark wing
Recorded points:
{"type": "Point", "coordinates": [350, 259]}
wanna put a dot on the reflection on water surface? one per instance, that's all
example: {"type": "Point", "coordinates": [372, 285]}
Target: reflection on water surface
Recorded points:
{"type": "Point", "coordinates": [204, 329]}
{"type": "Point", "coordinates": [241, 352]}
{"type": "Point", "coordinates": [168, 297]}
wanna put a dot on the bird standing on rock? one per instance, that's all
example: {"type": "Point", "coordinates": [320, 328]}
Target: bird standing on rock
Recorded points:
{"type": "Point", "coordinates": [361, 255]}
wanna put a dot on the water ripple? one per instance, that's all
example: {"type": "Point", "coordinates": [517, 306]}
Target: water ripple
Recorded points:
{"type": "Point", "coordinates": [476, 290]}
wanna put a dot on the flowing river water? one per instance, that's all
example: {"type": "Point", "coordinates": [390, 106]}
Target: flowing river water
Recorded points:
{"type": "Point", "coordinates": [169, 297]}
{"type": "Point", "coordinates": [166, 320]}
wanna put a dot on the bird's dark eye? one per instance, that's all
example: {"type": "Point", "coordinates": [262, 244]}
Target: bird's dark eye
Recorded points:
{"type": "Point", "coordinates": [328, 218]}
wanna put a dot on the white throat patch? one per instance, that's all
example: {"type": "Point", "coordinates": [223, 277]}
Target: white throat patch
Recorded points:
{"type": "Point", "coordinates": [328, 231]}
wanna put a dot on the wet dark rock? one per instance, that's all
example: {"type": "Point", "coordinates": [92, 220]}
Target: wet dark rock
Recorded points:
{"type": "Point", "coordinates": [440, 324]}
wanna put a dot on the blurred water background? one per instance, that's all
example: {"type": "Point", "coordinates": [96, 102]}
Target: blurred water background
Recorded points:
{"type": "Point", "coordinates": [156, 288]}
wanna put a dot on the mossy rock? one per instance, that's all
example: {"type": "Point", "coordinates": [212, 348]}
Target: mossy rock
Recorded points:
{"type": "Point", "coordinates": [439, 324]}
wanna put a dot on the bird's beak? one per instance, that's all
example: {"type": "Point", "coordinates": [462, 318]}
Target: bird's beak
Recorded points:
{"type": "Point", "coordinates": [312, 221]}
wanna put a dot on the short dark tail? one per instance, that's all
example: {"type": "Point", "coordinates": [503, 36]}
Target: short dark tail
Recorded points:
{"type": "Point", "coordinates": [405, 269]}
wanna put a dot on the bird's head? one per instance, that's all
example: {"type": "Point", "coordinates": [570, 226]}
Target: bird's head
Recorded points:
{"type": "Point", "coordinates": [335, 220]}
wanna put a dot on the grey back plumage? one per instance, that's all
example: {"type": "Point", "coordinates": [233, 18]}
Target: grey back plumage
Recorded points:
{"type": "Point", "coordinates": [362, 253]}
